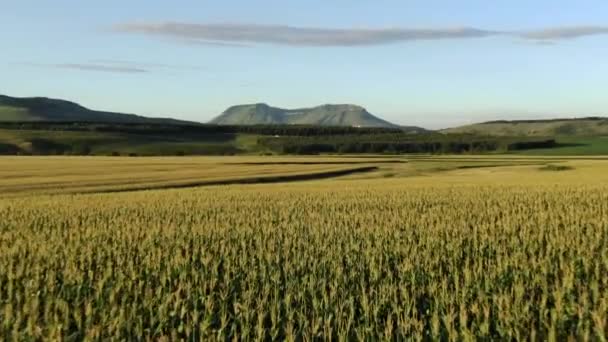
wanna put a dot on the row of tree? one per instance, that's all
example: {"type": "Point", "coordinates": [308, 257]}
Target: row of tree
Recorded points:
{"type": "Point", "coordinates": [438, 145]}
{"type": "Point", "coordinates": [194, 129]}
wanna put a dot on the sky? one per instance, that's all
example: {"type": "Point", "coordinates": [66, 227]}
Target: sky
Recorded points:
{"type": "Point", "coordinates": [431, 63]}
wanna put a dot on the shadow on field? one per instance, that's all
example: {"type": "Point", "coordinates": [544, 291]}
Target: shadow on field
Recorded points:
{"type": "Point", "coordinates": [322, 162]}
{"type": "Point", "coordinates": [551, 167]}
{"type": "Point", "coordinates": [565, 145]}
{"type": "Point", "coordinates": [465, 167]}
{"type": "Point", "coordinates": [252, 180]}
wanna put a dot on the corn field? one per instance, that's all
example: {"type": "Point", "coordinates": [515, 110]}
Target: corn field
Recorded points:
{"type": "Point", "coordinates": [366, 260]}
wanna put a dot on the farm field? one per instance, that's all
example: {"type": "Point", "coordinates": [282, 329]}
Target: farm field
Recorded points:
{"type": "Point", "coordinates": [584, 145]}
{"type": "Point", "coordinates": [55, 175]}
{"type": "Point", "coordinates": [417, 248]}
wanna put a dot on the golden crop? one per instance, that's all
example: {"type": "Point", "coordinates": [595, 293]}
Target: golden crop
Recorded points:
{"type": "Point", "coordinates": [53, 175]}
{"type": "Point", "coordinates": [334, 260]}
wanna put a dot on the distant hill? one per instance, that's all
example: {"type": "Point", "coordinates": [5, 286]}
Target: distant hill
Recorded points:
{"type": "Point", "coordinates": [555, 127]}
{"type": "Point", "coordinates": [45, 109]}
{"type": "Point", "coordinates": [326, 115]}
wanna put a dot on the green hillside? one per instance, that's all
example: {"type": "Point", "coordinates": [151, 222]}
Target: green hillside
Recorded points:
{"type": "Point", "coordinates": [52, 138]}
{"type": "Point", "coordinates": [53, 142]}
{"type": "Point", "coordinates": [591, 126]}
{"type": "Point", "coordinates": [326, 115]}
{"type": "Point", "coordinates": [45, 109]}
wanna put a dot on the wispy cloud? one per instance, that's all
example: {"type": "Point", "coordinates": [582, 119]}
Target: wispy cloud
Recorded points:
{"type": "Point", "coordinates": [99, 67]}
{"type": "Point", "coordinates": [544, 42]}
{"type": "Point", "coordinates": [239, 35]}
{"type": "Point", "coordinates": [294, 36]}
{"type": "Point", "coordinates": [214, 43]}
{"type": "Point", "coordinates": [115, 66]}
{"type": "Point", "coordinates": [144, 65]}
{"type": "Point", "coordinates": [561, 33]}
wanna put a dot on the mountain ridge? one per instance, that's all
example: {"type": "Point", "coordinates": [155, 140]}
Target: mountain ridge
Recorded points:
{"type": "Point", "coordinates": [583, 126]}
{"type": "Point", "coordinates": [49, 109]}
{"type": "Point", "coordinates": [41, 109]}
{"type": "Point", "coordinates": [323, 115]}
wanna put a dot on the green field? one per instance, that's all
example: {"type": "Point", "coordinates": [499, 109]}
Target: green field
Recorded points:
{"type": "Point", "coordinates": [13, 114]}
{"type": "Point", "coordinates": [573, 146]}
{"type": "Point", "coordinates": [420, 248]}
{"type": "Point", "coordinates": [45, 142]}
{"type": "Point", "coordinates": [72, 142]}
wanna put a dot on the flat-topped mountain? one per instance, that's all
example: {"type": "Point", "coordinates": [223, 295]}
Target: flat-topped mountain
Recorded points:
{"type": "Point", "coordinates": [46, 109]}
{"type": "Point", "coordinates": [326, 115]}
{"type": "Point", "coordinates": [552, 127]}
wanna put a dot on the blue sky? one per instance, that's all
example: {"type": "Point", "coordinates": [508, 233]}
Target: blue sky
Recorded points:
{"type": "Point", "coordinates": [430, 63]}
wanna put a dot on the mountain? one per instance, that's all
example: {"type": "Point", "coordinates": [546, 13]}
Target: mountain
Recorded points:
{"type": "Point", "coordinates": [561, 127]}
{"type": "Point", "coordinates": [326, 115]}
{"type": "Point", "coordinates": [45, 109]}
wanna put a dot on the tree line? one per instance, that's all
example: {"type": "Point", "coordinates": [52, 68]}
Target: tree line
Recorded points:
{"type": "Point", "coordinates": [160, 128]}
{"type": "Point", "coordinates": [401, 143]}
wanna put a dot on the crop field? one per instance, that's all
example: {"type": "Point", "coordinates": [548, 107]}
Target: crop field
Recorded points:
{"type": "Point", "coordinates": [423, 248]}
{"type": "Point", "coordinates": [52, 175]}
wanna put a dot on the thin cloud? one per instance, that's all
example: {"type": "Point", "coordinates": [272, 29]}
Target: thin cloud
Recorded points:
{"type": "Point", "coordinates": [141, 65]}
{"type": "Point", "coordinates": [544, 42]}
{"type": "Point", "coordinates": [214, 43]}
{"type": "Point", "coordinates": [295, 36]}
{"type": "Point", "coordinates": [242, 35]}
{"type": "Point", "coordinates": [564, 33]}
{"type": "Point", "coordinates": [114, 65]}
{"type": "Point", "coordinates": [97, 67]}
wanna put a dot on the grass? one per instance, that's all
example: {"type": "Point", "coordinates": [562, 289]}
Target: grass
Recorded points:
{"type": "Point", "coordinates": [57, 142]}
{"type": "Point", "coordinates": [104, 144]}
{"type": "Point", "coordinates": [573, 146]}
{"type": "Point", "coordinates": [492, 253]}
{"type": "Point", "coordinates": [8, 113]}
{"type": "Point", "coordinates": [557, 127]}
